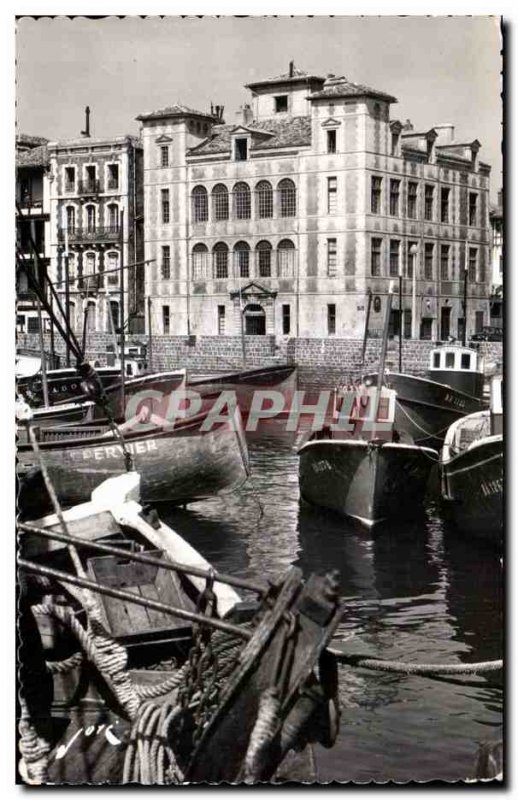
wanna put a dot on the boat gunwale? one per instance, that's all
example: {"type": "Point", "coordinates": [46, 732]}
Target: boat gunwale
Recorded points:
{"type": "Point", "coordinates": [366, 443]}
{"type": "Point", "coordinates": [388, 375]}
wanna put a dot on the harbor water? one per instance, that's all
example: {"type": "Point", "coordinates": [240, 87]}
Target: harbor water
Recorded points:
{"type": "Point", "coordinates": [419, 592]}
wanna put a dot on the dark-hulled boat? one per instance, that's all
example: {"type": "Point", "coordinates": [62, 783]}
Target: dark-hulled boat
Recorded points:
{"type": "Point", "coordinates": [182, 461]}
{"type": "Point", "coordinates": [281, 378]}
{"type": "Point", "coordinates": [367, 475]}
{"type": "Point", "coordinates": [452, 388]}
{"type": "Point", "coordinates": [472, 463]}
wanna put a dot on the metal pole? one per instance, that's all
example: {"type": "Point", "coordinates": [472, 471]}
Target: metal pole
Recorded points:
{"type": "Point", "coordinates": [121, 314]}
{"type": "Point", "coordinates": [367, 318]}
{"type": "Point", "coordinates": [52, 344]}
{"type": "Point", "coordinates": [150, 336]}
{"type": "Point", "coordinates": [414, 294]}
{"type": "Point", "coordinates": [42, 353]}
{"type": "Point", "coordinates": [400, 320]}
{"type": "Point", "coordinates": [464, 332]}
{"type": "Point", "coordinates": [67, 307]}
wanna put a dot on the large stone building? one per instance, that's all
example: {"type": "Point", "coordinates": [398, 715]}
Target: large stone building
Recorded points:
{"type": "Point", "coordinates": [283, 221]}
{"type": "Point", "coordinates": [496, 218]}
{"type": "Point", "coordinates": [32, 221]}
{"type": "Point", "coordinates": [94, 183]}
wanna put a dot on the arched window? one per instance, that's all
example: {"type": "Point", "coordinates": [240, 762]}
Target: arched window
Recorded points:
{"type": "Point", "coordinates": [200, 204]}
{"type": "Point", "coordinates": [113, 218]}
{"type": "Point", "coordinates": [264, 200]}
{"type": "Point", "coordinates": [200, 262]}
{"type": "Point", "coordinates": [242, 202]}
{"type": "Point", "coordinates": [112, 263]}
{"type": "Point", "coordinates": [264, 259]}
{"type": "Point", "coordinates": [220, 202]}
{"type": "Point", "coordinates": [242, 260]}
{"type": "Point", "coordinates": [286, 258]}
{"type": "Point", "coordinates": [71, 219]}
{"type": "Point", "coordinates": [72, 267]}
{"type": "Point", "coordinates": [89, 264]}
{"type": "Point", "coordinates": [220, 253]}
{"type": "Point", "coordinates": [90, 219]}
{"type": "Point", "coordinates": [112, 309]}
{"type": "Point", "coordinates": [287, 198]}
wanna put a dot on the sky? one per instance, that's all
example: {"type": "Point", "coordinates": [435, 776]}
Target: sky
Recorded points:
{"type": "Point", "coordinates": [441, 69]}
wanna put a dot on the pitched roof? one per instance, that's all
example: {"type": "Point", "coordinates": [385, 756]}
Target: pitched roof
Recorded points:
{"type": "Point", "coordinates": [293, 76]}
{"type": "Point", "coordinates": [294, 132]}
{"type": "Point", "coordinates": [35, 157]}
{"type": "Point", "coordinates": [342, 87]}
{"type": "Point", "coordinates": [176, 110]}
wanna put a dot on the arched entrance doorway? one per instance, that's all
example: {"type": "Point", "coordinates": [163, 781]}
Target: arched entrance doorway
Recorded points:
{"type": "Point", "coordinates": [255, 320]}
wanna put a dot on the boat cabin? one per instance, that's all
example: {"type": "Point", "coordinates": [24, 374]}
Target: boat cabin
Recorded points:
{"type": "Point", "coordinates": [496, 405]}
{"type": "Point", "coordinates": [361, 412]}
{"type": "Point", "coordinates": [460, 367]}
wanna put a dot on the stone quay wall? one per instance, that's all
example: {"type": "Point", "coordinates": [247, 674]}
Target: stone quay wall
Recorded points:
{"type": "Point", "coordinates": [339, 358]}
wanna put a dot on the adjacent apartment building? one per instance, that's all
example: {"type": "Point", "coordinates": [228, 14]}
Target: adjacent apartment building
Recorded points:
{"type": "Point", "coordinates": [95, 184]}
{"type": "Point", "coordinates": [285, 220]}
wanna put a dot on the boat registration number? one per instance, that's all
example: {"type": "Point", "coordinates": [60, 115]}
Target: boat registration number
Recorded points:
{"type": "Point", "coordinates": [459, 402]}
{"type": "Point", "coordinates": [492, 487]}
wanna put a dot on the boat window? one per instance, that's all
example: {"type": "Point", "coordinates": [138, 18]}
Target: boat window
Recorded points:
{"type": "Point", "coordinates": [129, 369]}
{"type": "Point", "coordinates": [450, 359]}
{"type": "Point", "coordinates": [465, 361]}
{"type": "Point", "coordinates": [437, 359]}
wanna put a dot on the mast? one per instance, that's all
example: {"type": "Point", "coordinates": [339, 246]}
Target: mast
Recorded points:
{"type": "Point", "coordinates": [42, 352]}
{"type": "Point", "coordinates": [400, 279]}
{"type": "Point", "coordinates": [150, 336]}
{"type": "Point", "coordinates": [383, 353]}
{"type": "Point", "coordinates": [121, 312]}
{"type": "Point", "coordinates": [464, 332]}
{"type": "Point", "coordinates": [367, 318]}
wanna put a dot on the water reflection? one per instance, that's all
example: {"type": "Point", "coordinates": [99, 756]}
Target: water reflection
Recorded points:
{"type": "Point", "coordinates": [417, 592]}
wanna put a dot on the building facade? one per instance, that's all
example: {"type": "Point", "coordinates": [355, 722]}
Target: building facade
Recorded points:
{"type": "Point", "coordinates": [286, 220]}
{"type": "Point", "coordinates": [496, 217]}
{"type": "Point", "coordinates": [96, 184]}
{"type": "Point", "coordinates": [32, 221]}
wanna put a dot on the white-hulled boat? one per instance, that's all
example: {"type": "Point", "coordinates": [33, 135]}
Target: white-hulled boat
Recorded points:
{"type": "Point", "coordinates": [472, 464]}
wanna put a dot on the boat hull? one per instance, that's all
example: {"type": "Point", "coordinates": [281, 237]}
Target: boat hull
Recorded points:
{"type": "Point", "coordinates": [179, 465]}
{"type": "Point", "coordinates": [472, 486]}
{"type": "Point", "coordinates": [425, 409]}
{"type": "Point", "coordinates": [281, 379]}
{"type": "Point", "coordinates": [366, 481]}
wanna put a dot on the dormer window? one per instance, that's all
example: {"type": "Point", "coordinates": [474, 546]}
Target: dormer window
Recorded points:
{"type": "Point", "coordinates": [394, 143]}
{"type": "Point", "coordinates": [281, 104]}
{"type": "Point", "coordinates": [331, 141]}
{"type": "Point", "coordinates": [241, 149]}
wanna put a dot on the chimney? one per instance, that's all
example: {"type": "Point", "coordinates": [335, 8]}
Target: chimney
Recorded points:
{"type": "Point", "coordinates": [86, 132]}
{"type": "Point", "coordinates": [445, 133]}
{"type": "Point", "coordinates": [407, 127]}
{"type": "Point", "coordinates": [292, 69]}
{"type": "Point", "coordinates": [244, 115]}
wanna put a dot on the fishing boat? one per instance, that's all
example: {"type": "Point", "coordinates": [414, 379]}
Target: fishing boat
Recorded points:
{"type": "Point", "coordinates": [370, 476]}
{"type": "Point", "coordinates": [180, 461]}
{"type": "Point", "coordinates": [280, 378]}
{"type": "Point", "coordinates": [452, 388]}
{"type": "Point", "coordinates": [362, 469]}
{"type": "Point", "coordinates": [136, 667]}
{"type": "Point", "coordinates": [472, 463]}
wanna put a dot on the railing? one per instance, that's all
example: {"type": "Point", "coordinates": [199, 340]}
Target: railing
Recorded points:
{"type": "Point", "coordinates": [89, 187]}
{"type": "Point", "coordinates": [31, 202]}
{"type": "Point", "coordinates": [112, 184]}
{"type": "Point", "coordinates": [101, 233]}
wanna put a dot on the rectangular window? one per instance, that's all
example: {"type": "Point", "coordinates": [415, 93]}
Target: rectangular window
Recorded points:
{"type": "Point", "coordinates": [395, 186]}
{"type": "Point", "coordinates": [281, 103]}
{"type": "Point", "coordinates": [428, 261]}
{"type": "Point", "coordinates": [473, 198]}
{"type": "Point", "coordinates": [166, 319]}
{"type": "Point", "coordinates": [70, 179]}
{"type": "Point", "coordinates": [241, 149]}
{"type": "Point", "coordinates": [445, 204]}
{"type": "Point", "coordinates": [394, 249]}
{"type": "Point", "coordinates": [331, 141]}
{"type": "Point", "coordinates": [331, 258]}
{"type": "Point", "coordinates": [426, 328]}
{"type": "Point", "coordinates": [376, 194]}
{"type": "Point", "coordinates": [428, 202]}
{"type": "Point", "coordinates": [479, 321]}
{"type": "Point", "coordinates": [472, 264]}
{"type": "Point", "coordinates": [394, 144]}
{"type": "Point", "coordinates": [91, 178]}
{"type": "Point", "coordinates": [166, 262]}
{"type": "Point", "coordinates": [331, 319]}
{"type": "Point", "coordinates": [481, 268]}
{"type": "Point", "coordinates": [33, 325]}
{"type": "Point", "coordinates": [286, 319]}
{"type": "Point", "coordinates": [331, 195]}
{"type": "Point", "coordinates": [411, 259]}
{"type": "Point", "coordinates": [113, 176]}
{"type": "Point", "coordinates": [164, 155]}
{"type": "Point", "coordinates": [221, 320]}
{"type": "Point", "coordinates": [407, 323]}
{"type": "Point", "coordinates": [412, 200]}
{"type": "Point", "coordinates": [445, 262]}
{"type": "Point", "coordinates": [376, 257]}
{"type": "Point", "coordinates": [165, 205]}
